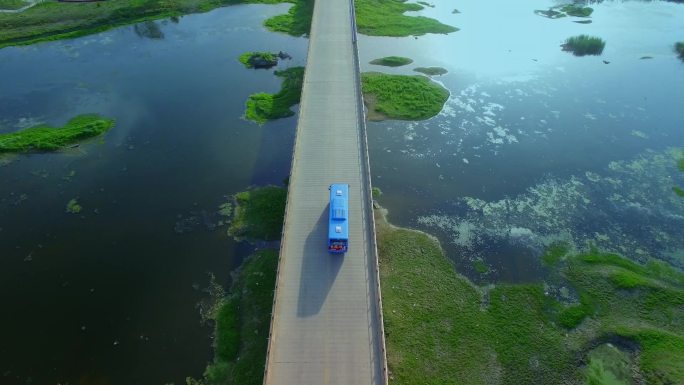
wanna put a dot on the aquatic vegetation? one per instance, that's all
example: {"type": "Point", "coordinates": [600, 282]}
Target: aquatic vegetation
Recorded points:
{"type": "Point", "coordinates": [517, 333]}
{"type": "Point", "coordinates": [555, 252]}
{"type": "Point", "coordinates": [242, 322]}
{"type": "Point", "coordinates": [579, 210]}
{"type": "Point", "coordinates": [259, 213]}
{"type": "Point", "coordinates": [52, 20]}
{"type": "Point", "coordinates": [455, 11]}
{"type": "Point", "coordinates": [376, 192]}
{"type": "Point", "coordinates": [45, 138]}
{"type": "Point", "coordinates": [678, 190]}
{"type": "Point", "coordinates": [402, 97]}
{"type": "Point", "coordinates": [148, 29]}
{"type": "Point", "coordinates": [609, 365]}
{"type": "Point", "coordinates": [480, 266]}
{"type": "Point", "coordinates": [226, 209]}
{"type": "Point", "coordinates": [296, 22]}
{"type": "Point", "coordinates": [258, 59]}
{"type": "Point", "coordinates": [425, 3]}
{"type": "Point", "coordinates": [12, 4]}
{"type": "Point", "coordinates": [73, 207]}
{"type": "Point", "coordinates": [565, 10]}
{"type": "Point", "coordinates": [386, 18]}
{"type": "Point", "coordinates": [679, 48]}
{"type": "Point", "coordinates": [392, 61]}
{"type": "Point", "coordinates": [431, 71]}
{"type": "Point", "coordinates": [577, 10]}
{"type": "Point", "coordinates": [262, 107]}
{"type": "Point", "coordinates": [584, 45]}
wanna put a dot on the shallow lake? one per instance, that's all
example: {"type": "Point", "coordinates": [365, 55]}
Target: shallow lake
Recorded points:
{"type": "Point", "coordinates": [536, 145]}
{"type": "Point", "coordinates": [110, 295]}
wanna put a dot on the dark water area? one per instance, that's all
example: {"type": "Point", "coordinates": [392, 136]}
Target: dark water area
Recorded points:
{"type": "Point", "coordinates": [110, 295]}
{"type": "Point", "coordinates": [536, 145]}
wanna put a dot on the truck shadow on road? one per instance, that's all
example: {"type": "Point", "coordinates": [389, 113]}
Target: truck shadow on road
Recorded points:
{"type": "Point", "coordinates": [319, 269]}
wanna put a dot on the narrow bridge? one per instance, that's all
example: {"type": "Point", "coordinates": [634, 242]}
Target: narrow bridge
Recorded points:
{"type": "Point", "coordinates": [327, 318]}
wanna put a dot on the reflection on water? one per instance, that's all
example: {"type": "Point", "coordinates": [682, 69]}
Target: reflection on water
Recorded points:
{"type": "Point", "coordinates": [534, 144]}
{"type": "Point", "coordinates": [109, 294]}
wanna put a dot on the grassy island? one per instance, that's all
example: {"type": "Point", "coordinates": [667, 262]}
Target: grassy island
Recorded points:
{"type": "Point", "coordinates": [45, 138]}
{"type": "Point", "coordinates": [258, 59]}
{"type": "Point", "coordinates": [53, 20]}
{"type": "Point", "coordinates": [263, 107]}
{"type": "Point", "coordinates": [386, 18]}
{"type": "Point", "coordinates": [401, 97]}
{"type": "Point", "coordinates": [679, 48]}
{"type": "Point", "coordinates": [431, 71]}
{"type": "Point", "coordinates": [441, 328]}
{"type": "Point", "coordinates": [583, 45]}
{"type": "Point", "coordinates": [392, 61]}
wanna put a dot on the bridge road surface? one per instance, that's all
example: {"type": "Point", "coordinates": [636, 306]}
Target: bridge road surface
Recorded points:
{"type": "Point", "coordinates": [326, 326]}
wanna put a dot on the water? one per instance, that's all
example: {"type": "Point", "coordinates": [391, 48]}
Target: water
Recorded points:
{"type": "Point", "coordinates": [109, 295]}
{"type": "Point", "coordinates": [536, 145]}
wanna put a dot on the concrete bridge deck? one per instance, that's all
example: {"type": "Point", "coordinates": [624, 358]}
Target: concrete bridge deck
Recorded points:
{"type": "Point", "coordinates": [327, 325]}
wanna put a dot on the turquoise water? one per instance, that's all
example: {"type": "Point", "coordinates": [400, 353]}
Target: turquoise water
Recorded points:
{"type": "Point", "coordinates": [536, 145]}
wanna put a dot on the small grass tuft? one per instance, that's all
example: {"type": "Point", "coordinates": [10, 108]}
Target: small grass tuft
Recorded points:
{"type": "Point", "coordinates": [583, 45]}
{"type": "Point", "coordinates": [480, 266]}
{"type": "Point", "coordinates": [555, 252]}
{"type": "Point", "coordinates": [258, 59]}
{"type": "Point", "coordinates": [73, 207]}
{"type": "Point", "coordinates": [577, 10]}
{"type": "Point", "coordinates": [679, 48]}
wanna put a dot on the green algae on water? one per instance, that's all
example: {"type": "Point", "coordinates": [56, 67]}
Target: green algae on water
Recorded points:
{"type": "Point", "coordinates": [258, 59]}
{"type": "Point", "coordinates": [401, 97]}
{"type": "Point", "coordinates": [392, 61]}
{"type": "Point", "coordinates": [45, 138]}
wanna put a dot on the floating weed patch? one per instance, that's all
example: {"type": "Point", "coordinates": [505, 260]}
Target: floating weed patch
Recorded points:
{"type": "Point", "coordinates": [402, 97]}
{"type": "Point", "coordinates": [608, 365]}
{"type": "Point", "coordinates": [555, 252]}
{"type": "Point", "coordinates": [262, 107]}
{"type": "Point", "coordinates": [583, 45]}
{"type": "Point", "coordinates": [480, 266]}
{"type": "Point", "coordinates": [386, 18]}
{"type": "Point", "coordinates": [431, 71]}
{"type": "Point", "coordinates": [296, 22]}
{"type": "Point", "coordinates": [45, 138]}
{"type": "Point", "coordinates": [73, 207]}
{"type": "Point", "coordinates": [259, 213]}
{"type": "Point", "coordinates": [392, 61]}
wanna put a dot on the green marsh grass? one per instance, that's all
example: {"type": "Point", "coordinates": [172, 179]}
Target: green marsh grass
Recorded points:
{"type": "Point", "coordinates": [679, 48]}
{"type": "Point", "coordinates": [247, 58]}
{"type": "Point", "coordinates": [73, 207]}
{"type": "Point", "coordinates": [386, 18]}
{"type": "Point", "coordinates": [443, 329]}
{"type": "Point", "coordinates": [262, 107]}
{"type": "Point", "coordinates": [12, 4]}
{"type": "Point", "coordinates": [583, 45]}
{"type": "Point", "coordinates": [259, 213]}
{"type": "Point", "coordinates": [402, 97]}
{"type": "Point", "coordinates": [53, 20]}
{"type": "Point", "coordinates": [392, 61]}
{"type": "Point", "coordinates": [45, 138]}
{"type": "Point", "coordinates": [431, 71]}
{"type": "Point", "coordinates": [242, 323]}
{"type": "Point", "coordinates": [577, 10]}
